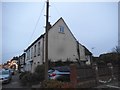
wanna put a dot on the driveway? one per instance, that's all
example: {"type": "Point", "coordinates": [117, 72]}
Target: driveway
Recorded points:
{"type": "Point", "coordinates": [15, 83]}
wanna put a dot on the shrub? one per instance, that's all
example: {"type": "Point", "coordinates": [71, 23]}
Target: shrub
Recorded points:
{"type": "Point", "coordinates": [67, 85]}
{"type": "Point", "coordinates": [26, 78]}
{"type": "Point", "coordinates": [29, 78]}
{"type": "Point", "coordinates": [52, 84]}
{"type": "Point", "coordinates": [22, 74]}
{"type": "Point", "coordinates": [40, 72]}
{"type": "Point", "coordinates": [33, 78]}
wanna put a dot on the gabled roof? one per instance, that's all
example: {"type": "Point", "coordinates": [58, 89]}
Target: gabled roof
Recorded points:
{"type": "Point", "coordinates": [50, 27]}
{"type": "Point", "coordinates": [87, 52]}
{"type": "Point", "coordinates": [34, 42]}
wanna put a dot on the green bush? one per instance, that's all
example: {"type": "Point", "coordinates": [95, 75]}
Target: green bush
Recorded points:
{"type": "Point", "coordinates": [29, 78]}
{"type": "Point", "coordinates": [40, 72]}
{"type": "Point", "coordinates": [33, 78]}
{"type": "Point", "coordinates": [22, 74]}
{"type": "Point", "coordinates": [52, 84]}
{"type": "Point", "coordinates": [26, 78]}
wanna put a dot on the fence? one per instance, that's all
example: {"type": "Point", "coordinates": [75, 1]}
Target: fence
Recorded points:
{"type": "Point", "coordinates": [91, 76]}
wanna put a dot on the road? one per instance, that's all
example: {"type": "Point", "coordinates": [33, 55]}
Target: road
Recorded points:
{"type": "Point", "coordinates": [15, 83]}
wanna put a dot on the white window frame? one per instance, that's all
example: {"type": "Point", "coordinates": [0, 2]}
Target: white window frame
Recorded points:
{"type": "Point", "coordinates": [35, 50]}
{"type": "Point", "coordinates": [61, 29]}
{"type": "Point", "coordinates": [38, 48]}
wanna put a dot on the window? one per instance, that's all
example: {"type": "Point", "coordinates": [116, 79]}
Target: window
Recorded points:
{"type": "Point", "coordinates": [35, 51]}
{"type": "Point", "coordinates": [28, 54]}
{"type": "Point", "coordinates": [38, 48]}
{"type": "Point", "coordinates": [31, 52]}
{"type": "Point", "coordinates": [61, 29]}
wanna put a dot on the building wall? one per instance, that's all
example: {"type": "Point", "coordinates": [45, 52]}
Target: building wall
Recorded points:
{"type": "Point", "coordinates": [21, 62]}
{"type": "Point", "coordinates": [88, 57]}
{"type": "Point", "coordinates": [61, 45]}
{"type": "Point", "coordinates": [22, 59]}
{"type": "Point", "coordinates": [37, 59]}
{"type": "Point", "coordinates": [82, 52]}
{"type": "Point", "coordinates": [34, 56]}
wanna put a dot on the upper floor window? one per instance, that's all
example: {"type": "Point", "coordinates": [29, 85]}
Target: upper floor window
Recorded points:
{"type": "Point", "coordinates": [28, 54]}
{"type": "Point", "coordinates": [31, 52]}
{"type": "Point", "coordinates": [38, 48]}
{"type": "Point", "coordinates": [35, 51]}
{"type": "Point", "coordinates": [61, 29]}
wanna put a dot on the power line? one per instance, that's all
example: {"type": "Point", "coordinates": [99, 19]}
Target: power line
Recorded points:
{"type": "Point", "coordinates": [36, 23]}
{"type": "Point", "coordinates": [57, 9]}
{"type": "Point", "coordinates": [31, 34]}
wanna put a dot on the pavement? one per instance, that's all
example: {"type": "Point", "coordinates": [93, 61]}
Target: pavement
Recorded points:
{"type": "Point", "coordinates": [113, 85]}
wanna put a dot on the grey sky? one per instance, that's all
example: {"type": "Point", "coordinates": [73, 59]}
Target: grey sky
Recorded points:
{"type": "Point", "coordinates": [93, 24]}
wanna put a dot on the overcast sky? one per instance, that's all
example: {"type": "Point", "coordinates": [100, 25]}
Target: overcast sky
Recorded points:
{"type": "Point", "coordinates": [95, 25]}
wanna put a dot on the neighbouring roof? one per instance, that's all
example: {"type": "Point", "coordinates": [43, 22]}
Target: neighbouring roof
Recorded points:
{"type": "Point", "coordinates": [87, 52]}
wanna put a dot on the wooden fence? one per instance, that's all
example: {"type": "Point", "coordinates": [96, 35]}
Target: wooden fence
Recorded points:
{"type": "Point", "coordinates": [91, 76]}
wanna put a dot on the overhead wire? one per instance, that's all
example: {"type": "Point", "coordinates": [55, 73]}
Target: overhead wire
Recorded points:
{"type": "Point", "coordinates": [32, 32]}
{"type": "Point", "coordinates": [56, 9]}
{"type": "Point", "coordinates": [39, 19]}
{"type": "Point", "coordinates": [36, 24]}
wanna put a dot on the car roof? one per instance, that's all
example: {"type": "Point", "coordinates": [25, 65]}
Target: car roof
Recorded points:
{"type": "Point", "coordinates": [62, 68]}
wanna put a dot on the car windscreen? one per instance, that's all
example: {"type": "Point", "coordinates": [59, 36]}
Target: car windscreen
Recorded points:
{"type": "Point", "coordinates": [5, 72]}
{"type": "Point", "coordinates": [51, 70]}
{"type": "Point", "coordinates": [62, 69]}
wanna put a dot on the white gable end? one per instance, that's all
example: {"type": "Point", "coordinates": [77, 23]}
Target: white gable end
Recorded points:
{"type": "Point", "coordinates": [61, 43]}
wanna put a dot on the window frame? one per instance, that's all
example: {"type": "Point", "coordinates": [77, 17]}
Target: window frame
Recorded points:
{"type": "Point", "coordinates": [35, 51]}
{"type": "Point", "coordinates": [61, 29]}
{"type": "Point", "coordinates": [39, 48]}
{"type": "Point", "coordinates": [31, 52]}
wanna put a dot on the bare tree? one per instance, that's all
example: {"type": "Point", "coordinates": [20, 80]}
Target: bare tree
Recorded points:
{"type": "Point", "coordinates": [116, 50]}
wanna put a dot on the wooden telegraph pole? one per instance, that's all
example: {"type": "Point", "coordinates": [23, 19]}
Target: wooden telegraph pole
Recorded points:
{"type": "Point", "coordinates": [46, 41]}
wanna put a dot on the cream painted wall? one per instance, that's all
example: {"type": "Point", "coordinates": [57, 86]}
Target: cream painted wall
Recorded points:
{"type": "Point", "coordinates": [82, 52]}
{"type": "Point", "coordinates": [37, 60]}
{"type": "Point", "coordinates": [61, 45]}
{"type": "Point", "coordinates": [88, 58]}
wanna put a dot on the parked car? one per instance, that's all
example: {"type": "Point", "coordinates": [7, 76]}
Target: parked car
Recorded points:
{"type": "Point", "coordinates": [12, 71]}
{"type": "Point", "coordinates": [59, 73]}
{"type": "Point", "coordinates": [5, 76]}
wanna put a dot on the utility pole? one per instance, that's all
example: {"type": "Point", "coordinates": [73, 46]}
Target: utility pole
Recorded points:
{"type": "Point", "coordinates": [46, 41]}
{"type": "Point", "coordinates": [78, 52]}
